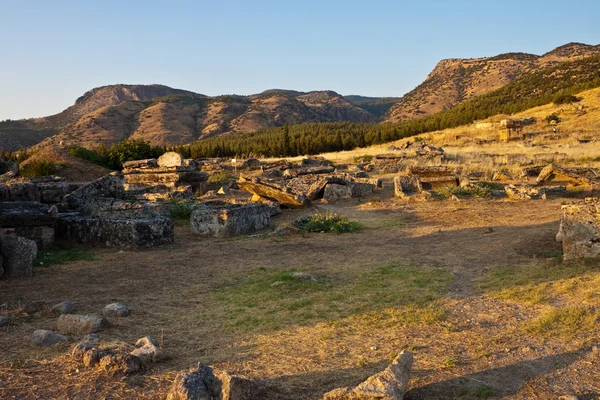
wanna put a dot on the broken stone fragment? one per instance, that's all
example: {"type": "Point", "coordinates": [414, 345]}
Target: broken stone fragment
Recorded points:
{"type": "Point", "coordinates": [45, 338]}
{"type": "Point", "coordinates": [75, 324]}
{"type": "Point", "coordinates": [18, 255]}
{"type": "Point", "coordinates": [390, 384]}
{"type": "Point", "coordinates": [170, 159]}
{"type": "Point", "coordinates": [148, 351]}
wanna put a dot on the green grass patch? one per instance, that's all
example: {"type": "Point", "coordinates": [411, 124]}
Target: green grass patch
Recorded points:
{"type": "Point", "coordinates": [329, 222]}
{"type": "Point", "coordinates": [483, 392]}
{"type": "Point", "coordinates": [221, 178]}
{"type": "Point", "coordinates": [477, 191]}
{"type": "Point", "coordinates": [36, 169]}
{"type": "Point", "coordinates": [394, 294]}
{"type": "Point", "coordinates": [564, 322]}
{"type": "Point", "coordinates": [59, 255]}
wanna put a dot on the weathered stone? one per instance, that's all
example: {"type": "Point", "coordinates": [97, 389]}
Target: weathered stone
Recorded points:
{"type": "Point", "coordinates": [501, 175]}
{"type": "Point", "coordinates": [251, 163]}
{"type": "Point", "coordinates": [224, 220]}
{"type": "Point", "coordinates": [117, 209]}
{"type": "Point", "coordinates": [25, 213]}
{"type": "Point", "coordinates": [43, 236]}
{"type": "Point", "coordinates": [25, 191]}
{"type": "Point", "coordinates": [309, 186]}
{"type": "Point", "coordinates": [233, 387]}
{"type": "Point", "coordinates": [44, 338]}
{"type": "Point", "coordinates": [148, 351]}
{"type": "Point", "coordinates": [303, 276]}
{"type": "Point", "coordinates": [80, 349]}
{"type": "Point", "coordinates": [18, 255]}
{"type": "Point", "coordinates": [314, 161]}
{"type": "Point", "coordinates": [406, 184]}
{"type": "Point", "coordinates": [109, 186]}
{"type": "Point", "coordinates": [553, 172]}
{"type": "Point", "coordinates": [580, 230]}
{"type": "Point", "coordinates": [76, 324]}
{"type": "Point", "coordinates": [123, 233]}
{"type": "Point", "coordinates": [526, 192]}
{"type": "Point", "coordinates": [334, 192]}
{"type": "Point", "coordinates": [360, 189]}
{"type": "Point", "coordinates": [147, 163]}
{"type": "Point", "coordinates": [65, 307]}
{"type": "Point", "coordinates": [273, 191]}
{"type": "Point", "coordinates": [9, 167]}
{"type": "Point", "coordinates": [181, 178]}
{"type": "Point", "coordinates": [274, 206]}
{"type": "Point", "coordinates": [4, 321]}
{"type": "Point", "coordinates": [170, 159]}
{"type": "Point", "coordinates": [431, 171]}
{"type": "Point", "coordinates": [30, 307]}
{"type": "Point", "coordinates": [194, 385]}
{"type": "Point", "coordinates": [294, 172]}
{"type": "Point", "coordinates": [116, 310]}
{"type": "Point", "coordinates": [531, 172]}
{"type": "Point", "coordinates": [389, 384]}
{"type": "Point", "coordinates": [119, 362]}
{"type": "Point", "coordinates": [436, 182]}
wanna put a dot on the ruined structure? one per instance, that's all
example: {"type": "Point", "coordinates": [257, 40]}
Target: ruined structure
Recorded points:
{"type": "Point", "coordinates": [422, 178]}
{"type": "Point", "coordinates": [512, 128]}
{"type": "Point", "coordinates": [579, 230]}
{"type": "Point", "coordinates": [169, 177]}
{"type": "Point", "coordinates": [101, 213]}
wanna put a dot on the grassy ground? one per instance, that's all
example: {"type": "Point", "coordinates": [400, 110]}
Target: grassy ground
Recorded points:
{"type": "Point", "coordinates": [475, 289]}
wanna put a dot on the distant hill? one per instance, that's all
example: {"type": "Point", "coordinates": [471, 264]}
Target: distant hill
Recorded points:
{"type": "Point", "coordinates": [456, 80]}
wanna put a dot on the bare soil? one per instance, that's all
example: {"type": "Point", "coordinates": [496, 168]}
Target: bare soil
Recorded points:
{"type": "Point", "coordinates": [182, 296]}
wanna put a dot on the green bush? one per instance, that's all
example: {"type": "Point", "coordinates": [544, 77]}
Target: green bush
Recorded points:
{"type": "Point", "coordinates": [36, 169]}
{"type": "Point", "coordinates": [565, 98]}
{"type": "Point", "coordinates": [477, 191]}
{"type": "Point", "coordinates": [552, 117]}
{"type": "Point", "coordinates": [181, 210]}
{"type": "Point", "coordinates": [221, 178]}
{"type": "Point", "coordinates": [88, 155]}
{"type": "Point", "coordinates": [329, 222]}
{"type": "Point", "coordinates": [129, 150]}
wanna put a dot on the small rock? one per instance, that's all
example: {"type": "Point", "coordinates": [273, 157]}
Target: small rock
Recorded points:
{"type": "Point", "coordinates": [148, 351]}
{"type": "Point", "coordinates": [277, 283]}
{"type": "Point", "coordinates": [31, 307]}
{"type": "Point", "coordinates": [120, 363]}
{"type": "Point", "coordinates": [455, 198]}
{"type": "Point", "coordinates": [374, 348]}
{"type": "Point", "coordinates": [66, 307]}
{"type": "Point", "coordinates": [80, 349]}
{"type": "Point", "coordinates": [303, 276]}
{"type": "Point", "coordinates": [116, 310]}
{"type": "Point", "coordinates": [44, 338]}
{"type": "Point", "coordinates": [223, 190]}
{"type": "Point", "coordinates": [193, 385]}
{"type": "Point", "coordinates": [76, 324]}
{"type": "Point", "coordinates": [4, 321]}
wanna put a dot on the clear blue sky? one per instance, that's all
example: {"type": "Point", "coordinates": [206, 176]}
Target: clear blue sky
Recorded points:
{"type": "Point", "coordinates": [54, 51]}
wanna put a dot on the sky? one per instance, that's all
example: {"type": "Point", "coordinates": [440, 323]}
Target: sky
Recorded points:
{"type": "Point", "coordinates": [51, 52]}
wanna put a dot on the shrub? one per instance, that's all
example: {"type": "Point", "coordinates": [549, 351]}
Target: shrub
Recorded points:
{"type": "Point", "coordinates": [36, 169]}
{"type": "Point", "coordinates": [478, 191]}
{"type": "Point", "coordinates": [329, 222]}
{"type": "Point", "coordinates": [88, 155]}
{"type": "Point", "coordinates": [181, 210]}
{"type": "Point", "coordinates": [565, 98]}
{"type": "Point", "coordinates": [129, 150]}
{"type": "Point", "coordinates": [552, 117]}
{"type": "Point", "coordinates": [221, 178]}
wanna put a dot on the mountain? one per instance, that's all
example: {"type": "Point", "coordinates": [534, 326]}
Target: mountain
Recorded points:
{"type": "Point", "coordinates": [169, 117]}
{"type": "Point", "coordinates": [455, 80]}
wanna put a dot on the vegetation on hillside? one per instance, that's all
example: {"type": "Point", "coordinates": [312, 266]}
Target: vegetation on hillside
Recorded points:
{"type": "Point", "coordinates": [543, 87]}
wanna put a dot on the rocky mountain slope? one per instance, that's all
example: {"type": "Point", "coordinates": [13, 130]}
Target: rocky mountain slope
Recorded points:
{"type": "Point", "coordinates": [455, 80]}
{"type": "Point", "coordinates": [184, 117]}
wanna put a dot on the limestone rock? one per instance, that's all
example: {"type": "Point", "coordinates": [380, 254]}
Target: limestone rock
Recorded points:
{"type": "Point", "coordinates": [119, 362]}
{"type": "Point", "coordinates": [226, 220]}
{"type": "Point", "coordinates": [25, 214]}
{"type": "Point", "coordinates": [44, 338]}
{"type": "Point", "coordinates": [116, 310]}
{"type": "Point", "coordinates": [580, 230]}
{"type": "Point", "coordinates": [294, 172]}
{"type": "Point", "coordinates": [76, 324]}
{"type": "Point", "coordinates": [274, 191]}
{"type": "Point", "coordinates": [171, 159]}
{"type": "Point", "coordinates": [65, 307]}
{"type": "Point", "coordinates": [233, 387]}
{"type": "Point", "coordinates": [148, 351]}
{"type": "Point", "coordinates": [80, 349]}
{"type": "Point", "coordinates": [147, 163]}
{"type": "Point", "coordinates": [303, 276]}
{"type": "Point", "coordinates": [407, 184]}
{"type": "Point", "coordinates": [390, 384]}
{"type": "Point", "coordinates": [194, 385]}
{"type": "Point", "coordinates": [18, 255]}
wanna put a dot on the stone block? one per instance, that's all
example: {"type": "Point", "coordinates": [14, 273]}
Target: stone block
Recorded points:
{"type": "Point", "coordinates": [224, 220]}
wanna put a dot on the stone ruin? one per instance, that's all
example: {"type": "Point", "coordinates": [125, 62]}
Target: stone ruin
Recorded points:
{"type": "Point", "coordinates": [104, 213]}
{"type": "Point", "coordinates": [579, 230]}
{"type": "Point", "coordinates": [224, 219]}
{"type": "Point", "coordinates": [425, 178]}
{"type": "Point", "coordinates": [169, 177]}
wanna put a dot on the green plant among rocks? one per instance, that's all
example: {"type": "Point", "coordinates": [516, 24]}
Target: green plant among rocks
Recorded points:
{"type": "Point", "coordinates": [329, 222]}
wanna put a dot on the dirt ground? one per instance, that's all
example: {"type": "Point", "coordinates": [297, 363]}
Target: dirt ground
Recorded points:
{"type": "Point", "coordinates": [203, 301]}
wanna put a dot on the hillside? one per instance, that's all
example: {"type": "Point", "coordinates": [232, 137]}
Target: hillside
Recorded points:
{"type": "Point", "coordinates": [454, 81]}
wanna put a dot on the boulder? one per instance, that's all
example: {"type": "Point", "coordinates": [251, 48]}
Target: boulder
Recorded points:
{"type": "Point", "coordinates": [390, 384]}
{"type": "Point", "coordinates": [18, 255]}
{"type": "Point", "coordinates": [274, 191]}
{"type": "Point", "coordinates": [553, 172]}
{"type": "Point", "coordinates": [171, 159]}
{"type": "Point", "coordinates": [65, 307]}
{"type": "Point", "coordinates": [44, 338]}
{"type": "Point", "coordinates": [294, 172]}
{"type": "Point", "coordinates": [119, 362]}
{"type": "Point", "coordinates": [116, 310]}
{"type": "Point", "coordinates": [76, 324]}
{"type": "Point", "coordinates": [251, 163]}
{"type": "Point", "coordinates": [109, 186]}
